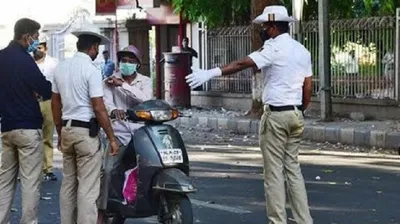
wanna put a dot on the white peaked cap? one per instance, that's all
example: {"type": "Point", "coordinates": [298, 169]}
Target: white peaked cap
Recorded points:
{"type": "Point", "coordinates": [93, 31]}
{"type": "Point", "coordinates": [274, 13]}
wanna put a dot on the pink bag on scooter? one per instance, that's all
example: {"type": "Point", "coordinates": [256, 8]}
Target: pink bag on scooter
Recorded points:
{"type": "Point", "coordinates": [130, 185]}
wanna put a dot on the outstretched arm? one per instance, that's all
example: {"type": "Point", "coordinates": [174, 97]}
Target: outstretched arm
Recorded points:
{"type": "Point", "coordinates": [258, 59]}
{"type": "Point", "coordinates": [238, 66]}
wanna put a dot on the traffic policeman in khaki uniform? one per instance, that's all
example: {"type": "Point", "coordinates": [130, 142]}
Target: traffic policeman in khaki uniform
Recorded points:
{"type": "Point", "coordinates": [286, 68]}
{"type": "Point", "coordinates": [78, 110]}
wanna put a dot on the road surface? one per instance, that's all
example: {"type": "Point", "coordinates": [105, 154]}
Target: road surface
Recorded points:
{"type": "Point", "coordinates": [343, 187]}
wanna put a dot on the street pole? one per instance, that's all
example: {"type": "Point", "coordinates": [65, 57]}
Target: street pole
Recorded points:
{"type": "Point", "coordinates": [297, 12]}
{"type": "Point", "coordinates": [324, 60]}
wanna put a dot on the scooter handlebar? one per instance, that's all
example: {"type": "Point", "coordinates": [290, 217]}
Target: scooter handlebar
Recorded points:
{"type": "Point", "coordinates": [113, 116]}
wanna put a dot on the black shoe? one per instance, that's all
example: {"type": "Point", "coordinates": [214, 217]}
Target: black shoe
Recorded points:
{"type": "Point", "coordinates": [50, 176]}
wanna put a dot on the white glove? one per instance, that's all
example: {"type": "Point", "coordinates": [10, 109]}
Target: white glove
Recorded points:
{"type": "Point", "coordinates": [198, 77]}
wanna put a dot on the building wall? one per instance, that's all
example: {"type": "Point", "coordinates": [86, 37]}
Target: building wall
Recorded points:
{"type": "Point", "coordinates": [233, 101]}
{"type": "Point", "coordinates": [61, 11]}
{"type": "Point", "coordinates": [67, 47]}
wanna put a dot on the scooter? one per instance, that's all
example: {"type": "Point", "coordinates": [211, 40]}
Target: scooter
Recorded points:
{"type": "Point", "coordinates": [163, 169]}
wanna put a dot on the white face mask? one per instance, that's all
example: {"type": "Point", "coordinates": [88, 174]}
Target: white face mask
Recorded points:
{"type": "Point", "coordinates": [127, 69]}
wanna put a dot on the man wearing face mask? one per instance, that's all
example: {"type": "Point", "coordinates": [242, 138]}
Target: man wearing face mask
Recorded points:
{"type": "Point", "coordinates": [286, 67]}
{"type": "Point", "coordinates": [21, 121]}
{"type": "Point", "coordinates": [78, 108]}
{"type": "Point", "coordinates": [46, 65]}
{"type": "Point", "coordinates": [122, 91]}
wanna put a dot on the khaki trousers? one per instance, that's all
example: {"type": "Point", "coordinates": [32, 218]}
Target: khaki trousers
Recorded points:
{"type": "Point", "coordinates": [22, 152]}
{"type": "Point", "coordinates": [280, 135]}
{"type": "Point", "coordinates": [81, 170]}
{"type": "Point", "coordinates": [48, 132]}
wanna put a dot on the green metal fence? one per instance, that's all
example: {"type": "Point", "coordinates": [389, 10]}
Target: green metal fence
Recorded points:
{"type": "Point", "coordinates": [362, 56]}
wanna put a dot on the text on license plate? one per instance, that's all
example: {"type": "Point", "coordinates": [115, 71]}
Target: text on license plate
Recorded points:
{"type": "Point", "coordinates": [170, 156]}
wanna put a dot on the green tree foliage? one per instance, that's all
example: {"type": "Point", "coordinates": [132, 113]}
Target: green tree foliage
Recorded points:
{"type": "Point", "coordinates": [214, 12]}
{"type": "Point", "coordinates": [346, 9]}
{"type": "Point", "coordinates": [226, 12]}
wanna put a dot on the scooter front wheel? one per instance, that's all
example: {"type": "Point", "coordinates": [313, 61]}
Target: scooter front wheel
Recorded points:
{"type": "Point", "coordinates": [178, 210]}
{"type": "Point", "coordinates": [116, 220]}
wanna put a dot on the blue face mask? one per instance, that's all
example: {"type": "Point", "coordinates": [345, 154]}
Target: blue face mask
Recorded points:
{"type": "Point", "coordinates": [127, 69]}
{"type": "Point", "coordinates": [33, 46]}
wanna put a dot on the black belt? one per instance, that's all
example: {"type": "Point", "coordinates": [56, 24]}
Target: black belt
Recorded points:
{"type": "Point", "coordinates": [283, 108]}
{"type": "Point", "coordinates": [78, 124]}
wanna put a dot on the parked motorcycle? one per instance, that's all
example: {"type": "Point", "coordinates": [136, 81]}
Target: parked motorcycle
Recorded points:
{"type": "Point", "coordinates": [158, 153]}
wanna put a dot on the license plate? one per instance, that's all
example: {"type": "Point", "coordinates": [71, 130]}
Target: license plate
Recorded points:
{"type": "Point", "coordinates": [171, 156]}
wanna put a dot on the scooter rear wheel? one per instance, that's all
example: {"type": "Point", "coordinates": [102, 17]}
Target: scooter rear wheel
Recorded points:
{"type": "Point", "coordinates": [179, 210]}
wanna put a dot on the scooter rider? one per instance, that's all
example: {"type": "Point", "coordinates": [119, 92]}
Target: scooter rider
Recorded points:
{"type": "Point", "coordinates": [122, 91]}
{"type": "Point", "coordinates": [286, 67]}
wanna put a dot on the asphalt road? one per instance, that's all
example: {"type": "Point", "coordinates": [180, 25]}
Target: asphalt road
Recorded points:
{"type": "Point", "coordinates": [343, 187]}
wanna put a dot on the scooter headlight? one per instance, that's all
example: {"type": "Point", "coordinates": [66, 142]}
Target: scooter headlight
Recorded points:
{"type": "Point", "coordinates": [158, 115]}
{"type": "Point", "coordinates": [144, 115]}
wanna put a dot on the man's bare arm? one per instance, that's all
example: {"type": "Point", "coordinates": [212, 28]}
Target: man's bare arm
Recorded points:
{"type": "Point", "coordinates": [102, 116]}
{"type": "Point", "coordinates": [307, 92]}
{"type": "Point", "coordinates": [56, 107]}
{"type": "Point", "coordinates": [238, 66]}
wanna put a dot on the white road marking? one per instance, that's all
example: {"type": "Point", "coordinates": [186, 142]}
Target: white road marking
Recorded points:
{"type": "Point", "coordinates": [220, 207]}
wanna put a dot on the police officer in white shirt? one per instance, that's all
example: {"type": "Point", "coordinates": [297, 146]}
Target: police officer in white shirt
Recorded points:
{"type": "Point", "coordinates": [77, 99]}
{"type": "Point", "coordinates": [286, 67]}
{"type": "Point", "coordinates": [46, 65]}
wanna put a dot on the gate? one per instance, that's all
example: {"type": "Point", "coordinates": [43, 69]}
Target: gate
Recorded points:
{"type": "Point", "coordinates": [77, 20]}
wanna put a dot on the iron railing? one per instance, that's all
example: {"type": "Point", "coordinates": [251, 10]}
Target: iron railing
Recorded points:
{"type": "Point", "coordinates": [225, 45]}
{"type": "Point", "coordinates": [362, 57]}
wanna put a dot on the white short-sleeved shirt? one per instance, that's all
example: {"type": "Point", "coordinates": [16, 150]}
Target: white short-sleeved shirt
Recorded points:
{"type": "Point", "coordinates": [284, 63]}
{"type": "Point", "coordinates": [47, 67]}
{"type": "Point", "coordinates": [78, 80]}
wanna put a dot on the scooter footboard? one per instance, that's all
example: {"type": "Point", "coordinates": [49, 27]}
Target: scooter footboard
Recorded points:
{"type": "Point", "coordinates": [173, 180]}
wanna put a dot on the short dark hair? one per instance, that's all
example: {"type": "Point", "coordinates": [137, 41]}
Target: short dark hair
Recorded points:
{"type": "Point", "coordinates": [25, 26]}
{"type": "Point", "coordinates": [87, 41]}
{"type": "Point", "coordinates": [105, 52]}
{"type": "Point", "coordinates": [44, 44]}
{"type": "Point", "coordinates": [283, 27]}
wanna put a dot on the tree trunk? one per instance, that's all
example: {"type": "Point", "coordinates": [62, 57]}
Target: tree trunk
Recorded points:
{"type": "Point", "coordinates": [257, 7]}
